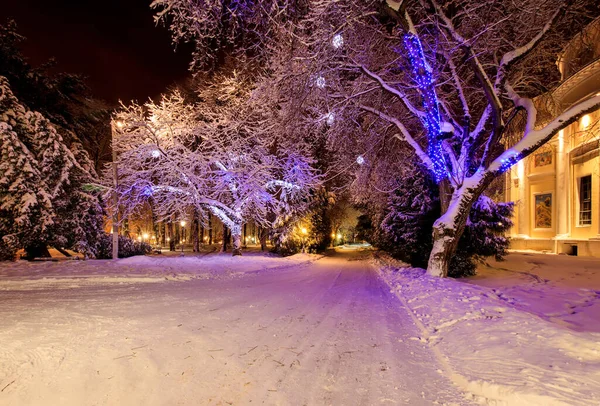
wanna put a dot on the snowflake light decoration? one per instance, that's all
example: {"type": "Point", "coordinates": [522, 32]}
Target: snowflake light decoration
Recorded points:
{"type": "Point", "coordinates": [155, 153]}
{"type": "Point", "coordinates": [360, 160]}
{"type": "Point", "coordinates": [330, 119]}
{"type": "Point", "coordinates": [338, 41]}
{"type": "Point", "coordinates": [320, 82]}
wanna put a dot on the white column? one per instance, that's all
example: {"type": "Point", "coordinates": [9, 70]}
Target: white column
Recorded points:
{"type": "Point", "coordinates": [562, 187]}
{"type": "Point", "coordinates": [524, 201]}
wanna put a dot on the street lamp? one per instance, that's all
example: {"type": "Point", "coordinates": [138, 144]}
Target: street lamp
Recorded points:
{"type": "Point", "coordinates": [304, 232]}
{"type": "Point", "coordinates": [115, 219]}
{"type": "Point", "coordinates": [183, 234]}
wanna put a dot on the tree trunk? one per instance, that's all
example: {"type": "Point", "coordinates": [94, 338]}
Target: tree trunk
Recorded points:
{"type": "Point", "coordinates": [201, 236]}
{"type": "Point", "coordinates": [448, 229]}
{"type": "Point", "coordinates": [225, 238]}
{"type": "Point", "coordinates": [236, 236]}
{"type": "Point", "coordinates": [262, 236]}
{"type": "Point", "coordinates": [210, 231]}
{"type": "Point", "coordinates": [173, 241]}
{"type": "Point", "coordinates": [195, 225]}
{"type": "Point", "coordinates": [245, 239]}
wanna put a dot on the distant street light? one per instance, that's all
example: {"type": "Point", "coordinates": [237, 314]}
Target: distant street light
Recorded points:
{"type": "Point", "coordinates": [304, 232]}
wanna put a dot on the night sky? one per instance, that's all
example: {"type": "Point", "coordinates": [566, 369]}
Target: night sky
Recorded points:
{"type": "Point", "coordinates": [114, 43]}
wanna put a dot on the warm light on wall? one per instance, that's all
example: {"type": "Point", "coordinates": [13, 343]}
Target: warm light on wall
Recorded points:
{"type": "Point", "coordinates": [520, 170]}
{"type": "Point", "coordinates": [585, 121]}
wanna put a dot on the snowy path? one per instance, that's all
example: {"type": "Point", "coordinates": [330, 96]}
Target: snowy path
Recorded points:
{"type": "Point", "coordinates": [315, 334]}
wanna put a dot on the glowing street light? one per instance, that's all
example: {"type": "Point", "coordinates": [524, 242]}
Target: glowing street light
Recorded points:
{"type": "Point", "coordinates": [183, 234]}
{"type": "Point", "coordinates": [145, 236]}
{"type": "Point", "coordinates": [304, 232]}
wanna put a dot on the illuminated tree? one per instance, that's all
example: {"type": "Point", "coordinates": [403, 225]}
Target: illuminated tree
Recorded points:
{"type": "Point", "coordinates": [222, 161]}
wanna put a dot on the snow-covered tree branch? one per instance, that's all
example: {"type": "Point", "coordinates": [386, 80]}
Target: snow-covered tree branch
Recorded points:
{"type": "Point", "coordinates": [181, 156]}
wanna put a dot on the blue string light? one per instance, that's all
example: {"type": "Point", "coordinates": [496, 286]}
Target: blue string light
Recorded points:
{"type": "Point", "coordinates": [507, 163]}
{"type": "Point", "coordinates": [423, 76]}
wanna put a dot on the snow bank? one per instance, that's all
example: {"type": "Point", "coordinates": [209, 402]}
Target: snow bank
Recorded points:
{"type": "Point", "coordinates": [23, 275]}
{"type": "Point", "coordinates": [494, 351]}
{"type": "Point", "coordinates": [559, 288]}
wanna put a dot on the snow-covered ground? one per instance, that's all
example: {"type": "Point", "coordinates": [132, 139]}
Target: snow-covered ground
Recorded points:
{"type": "Point", "coordinates": [170, 266]}
{"type": "Point", "coordinates": [497, 336]}
{"type": "Point", "coordinates": [303, 330]}
{"type": "Point", "coordinates": [215, 330]}
{"type": "Point", "coordinates": [559, 288]}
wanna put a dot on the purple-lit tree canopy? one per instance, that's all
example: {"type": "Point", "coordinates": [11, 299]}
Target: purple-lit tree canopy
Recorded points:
{"type": "Point", "coordinates": [220, 160]}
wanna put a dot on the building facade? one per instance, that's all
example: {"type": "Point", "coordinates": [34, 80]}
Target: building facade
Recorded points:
{"type": "Point", "coordinates": [556, 190]}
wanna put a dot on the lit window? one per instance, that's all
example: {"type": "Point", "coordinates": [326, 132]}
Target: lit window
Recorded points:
{"type": "Point", "coordinates": [585, 200]}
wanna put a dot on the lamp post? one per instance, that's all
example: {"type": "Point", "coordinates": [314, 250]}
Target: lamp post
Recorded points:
{"type": "Point", "coordinates": [115, 217]}
{"type": "Point", "coordinates": [182, 234]}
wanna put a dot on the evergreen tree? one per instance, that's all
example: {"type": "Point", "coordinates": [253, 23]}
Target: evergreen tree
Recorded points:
{"type": "Point", "coordinates": [25, 207]}
{"type": "Point", "coordinates": [42, 195]}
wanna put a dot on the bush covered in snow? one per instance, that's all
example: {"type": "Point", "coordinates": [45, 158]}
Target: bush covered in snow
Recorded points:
{"type": "Point", "coordinates": [127, 247]}
{"type": "Point", "coordinates": [403, 227]}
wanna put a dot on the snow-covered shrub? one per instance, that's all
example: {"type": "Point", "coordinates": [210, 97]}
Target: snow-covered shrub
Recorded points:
{"type": "Point", "coordinates": [314, 217]}
{"type": "Point", "coordinates": [405, 226]}
{"type": "Point", "coordinates": [127, 247]}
